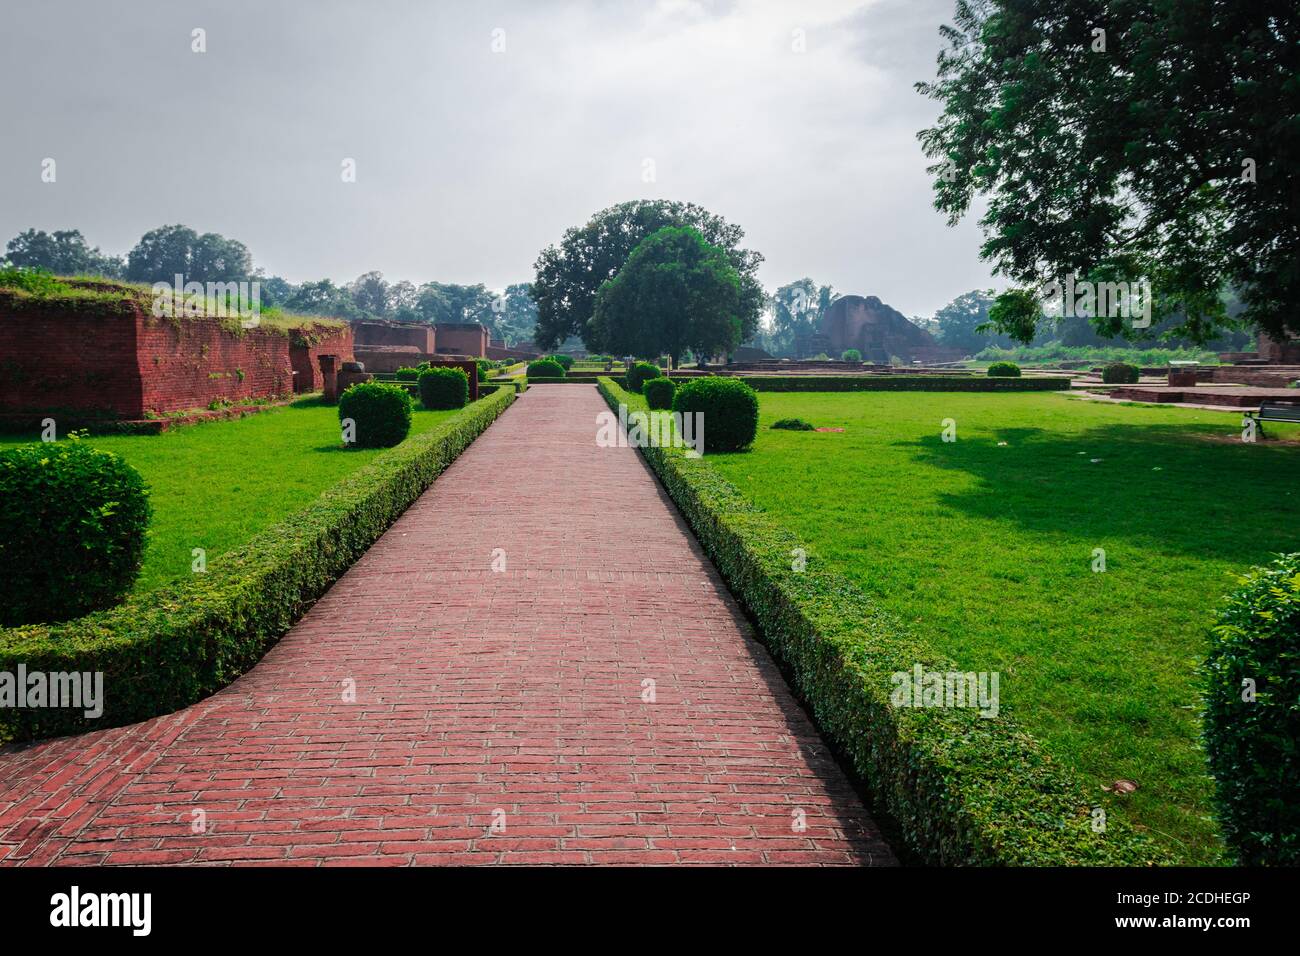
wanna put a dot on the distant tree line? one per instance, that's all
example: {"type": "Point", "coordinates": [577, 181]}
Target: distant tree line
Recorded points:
{"type": "Point", "coordinates": [163, 253]}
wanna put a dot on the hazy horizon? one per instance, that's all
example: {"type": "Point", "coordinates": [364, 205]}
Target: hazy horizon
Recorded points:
{"type": "Point", "coordinates": [470, 159]}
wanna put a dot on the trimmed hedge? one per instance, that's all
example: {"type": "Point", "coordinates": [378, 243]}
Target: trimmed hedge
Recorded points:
{"type": "Point", "coordinates": [659, 393]}
{"type": "Point", "coordinates": [961, 789]}
{"type": "Point", "coordinates": [566, 361]}
{"type": "Point", "coordinates": [729, 408]}
{"type": "Point", "coordinates": [1120, 373]}
{"type": "Point", "coordinates": [640, 373]}
{"type": "Point", "coordinates": [548, 380]}
{"type": "Point", "coordinates": [380, 412]}
{"type": "Point", "coordinates": [1003, 370]}
{"type": "Point", "coordinates": [545, 368]}
{"type": "Point", "coordinates": [168, 648]}
{"type": "Point", "coordinates": [903, 383]}
{"type": "Point", "coordinates": [1252, 715]}
{"type": "Point", "coordinates": [72, 530]}
{"type": "Point", "coordinates": [444, 388]}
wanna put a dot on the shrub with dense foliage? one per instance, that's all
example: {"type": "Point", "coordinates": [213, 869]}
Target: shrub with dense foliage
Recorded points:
{"type": "Point", "coordinates": [904, 383]}
{"type": "Point", "coordinates": [1004, 370]}
{"type": "Point", "coordinates": [565, 360]}
{"type": "Point", "coordinates": [73, 521]}
{"type": "Point", "coordinates": [639, 373]}
{"type": "Point", "coordinates": [962, 790]}
{"type": "Point", "coordinates": [380, 412]}
{"type": "Point", "coordinates": [408, 374]}
{"type": "Point", "coordinates": [545, 368]}
{"type": "Point", "coordinates": [175, 645]}
{"type": "Point", "coordinates": [443, 388]}
{"type": "Point", "coordinates": [730, 409]}
{"type": "Point", "coordinates": [850, 355]}
{"type": "Point", "coordinates": [1252, 715]}
{"type": "Point", "coordinates": [658, 392]}
{"type": "Point", "coordinates": [1119, 373]}
{"type": "Point", "coordinates": [792, 425]}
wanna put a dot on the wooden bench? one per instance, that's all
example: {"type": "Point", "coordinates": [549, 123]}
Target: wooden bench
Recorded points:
{"type": "Point", "coordinates": [1271, 410]}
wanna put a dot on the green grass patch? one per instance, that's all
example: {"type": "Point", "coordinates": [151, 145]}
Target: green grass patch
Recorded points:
{"type": "Point", "coordinates": [216, 485]}
{"type": "Point", "coordinates": [984, 547]}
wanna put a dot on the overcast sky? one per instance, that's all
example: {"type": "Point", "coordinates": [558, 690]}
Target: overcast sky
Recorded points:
{"type": "Point", "coordinates": [468, 159]}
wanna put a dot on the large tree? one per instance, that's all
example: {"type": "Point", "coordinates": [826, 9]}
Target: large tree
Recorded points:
{"type": "Point", "coordinates": [570, 273]}
{"type": "Point", "coordinates": [168, 251]}
{"type": "Point", "coordinates": [797, 310]}
{"type": "Point", "coordinates": [64, 253]}
{"type": "Point", "coordinates": [676, 292]}
{"type": "Point", "coordinates": [1126, 140]}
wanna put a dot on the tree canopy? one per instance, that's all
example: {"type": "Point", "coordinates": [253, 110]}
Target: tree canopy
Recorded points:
{"type": "Point", "coordinates": [676, 292]}
{"type": "Point", "coordinates": [168, 251]}
{"type": "Point", "coordinates": [1121, 140]}
{"type": "Point", "coordinates": [63, 253]}
{"type": "Point", "coordinates": [570, 274]}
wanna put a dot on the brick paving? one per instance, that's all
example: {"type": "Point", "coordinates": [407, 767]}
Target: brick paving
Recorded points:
{"type": "Point", "coordinates": [499, 716]}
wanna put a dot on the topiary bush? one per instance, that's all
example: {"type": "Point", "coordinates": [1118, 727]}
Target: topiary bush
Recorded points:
{"type": "Point", "coordinates": [1252, 715]}
{"type": "Point", "coordinates": [1004, 370]}
{"type": "Point", "coordinates": [1119, 373]}
{"type": "Point", "coordinates": [380, 412]}
{"type": "Point", "coordinates": [564, 360]}
{"type": "Point", "coordinates": [730, 409]}
{"type": "Point", "coordinates": [72, 530]}
{"type": "Point", "coordinates": [640, 373]}
{"type": "Point", "coordinates": [443, 388]}
{"type": "Point", "coordinates": [792, 425]}
{"type": "Point", "coordinates": [850, 355]}
{"type": "Point", "coordinates": [545, 368]}
{"type": "Point", "coordinates": [658, 392]}
{"type": "Point", "coordinates": [408, 374]}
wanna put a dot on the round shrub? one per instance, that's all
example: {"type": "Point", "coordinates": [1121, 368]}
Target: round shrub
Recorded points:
{"type": "Point", "coordinates": [1252, 715]}
{"type": "Point", "coordinates": [545, 368]}
{"type": "Point", "coordinates": [381, 413]}
{"type": "Point", "coordinates": [640, 373]}
{"type": "Point", "coordinates": [72, 531]}
{"type": "Point", "coordinates": [1119, 373]}
{"type": "Point", "coordinates": [408, 374]}
{"type": "Point", "coordinates": [444, 387]}
{"type": "Point", "coordinates": [792, 425]}
{"type": "Point", "coordinates": [730, 409]}
{"type": "Point", "coordinates": [564, 360]}
{"type": "Point", "coordinates": [1004, 370]}
{"type": "Point", "coordinates": [850, 355]}
{"type": "Point", "coordinates": [658, 392]}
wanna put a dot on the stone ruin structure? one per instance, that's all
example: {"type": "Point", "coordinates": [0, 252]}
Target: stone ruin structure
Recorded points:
{"type": "Point", "coordinates": [878, 331]}
{"type": "Point", "coordinates": [384, 346]}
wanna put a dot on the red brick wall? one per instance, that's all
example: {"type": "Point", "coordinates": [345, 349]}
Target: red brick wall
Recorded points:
{"type": "Point", "coordinates": [403, 333]}
{"type": "Point", "coordinates": [304, 358]}
{"type": "Point", "coordinates": [69, 360]}
{"type": "Point", "coordinates": [127, 362]}
{"type": "Point", "coordinates": [462, 339]}
{"type": "Point", "coordinates": [194, 362]}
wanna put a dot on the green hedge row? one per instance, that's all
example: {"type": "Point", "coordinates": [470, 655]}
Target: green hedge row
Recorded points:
{"type": "Point", "coordinates": [903, 383]}
{"type": "Point", "coordinates": [962, 789]}
{"type": "Point", "coordinates": [168, 648]}
{"type": "Point", "coordinates": [552, 380]}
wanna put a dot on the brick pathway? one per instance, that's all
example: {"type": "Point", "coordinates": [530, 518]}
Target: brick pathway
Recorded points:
{"type": "Point", "coordinates": [481, 698]}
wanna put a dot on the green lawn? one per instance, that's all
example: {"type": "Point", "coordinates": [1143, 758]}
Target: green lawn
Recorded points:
{"type": "Point", "coordinates": [986, 545]}
{"type": "Point", "coordinates": [214, 486]}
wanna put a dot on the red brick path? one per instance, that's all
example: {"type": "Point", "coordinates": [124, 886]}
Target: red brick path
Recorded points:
{"type": "Point", "coordinates": [513, 697]}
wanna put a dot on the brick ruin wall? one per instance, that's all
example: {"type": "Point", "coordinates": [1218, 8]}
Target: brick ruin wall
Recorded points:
{"type": "Point", "coordinates": [126, 363]}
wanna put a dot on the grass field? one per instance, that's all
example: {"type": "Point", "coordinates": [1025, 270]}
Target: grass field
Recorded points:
{"type": "Point", "coordinates": [215, 485]}
{"type": "Point", "coordinates": [986, 545]}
